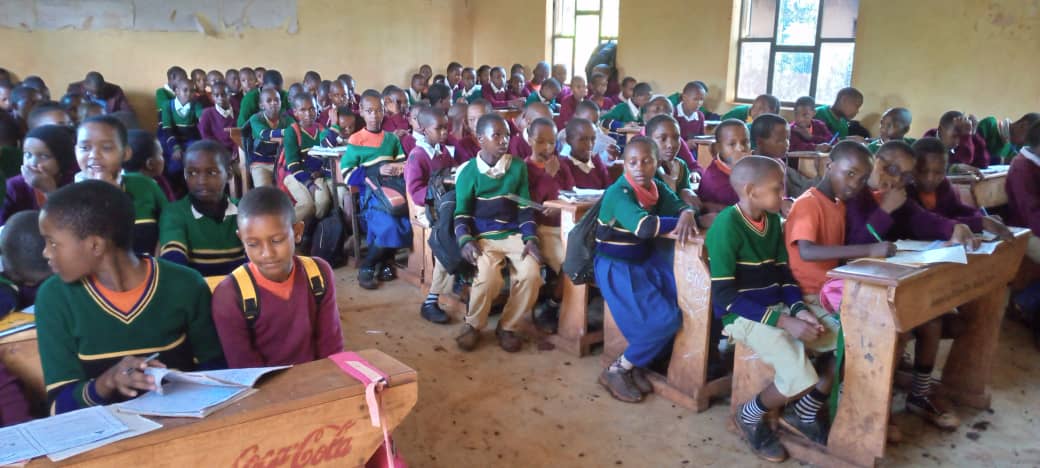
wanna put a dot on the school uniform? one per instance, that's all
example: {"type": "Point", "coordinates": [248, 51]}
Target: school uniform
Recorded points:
{"type": "Point", "coordinates": [162, 96]}
{"type": "Point", "coordinates": [1023, 191]}
{"type": "Point", "coordinates": [518, 145]}
{"type": "Point", "coordinates": [292, 328]}
{"type": "Point", "coordinates": [20, 196]}
{"type": "Point", "coordinates": [180, 128]}
{"type": "Point", "coordinates": [621, 114]}
{"type": "Point", "coordinates": [498, 97]}
{"type": "Point", "coordinates": [202, 243]}
{"type": "Point", "coordinates": [14, 408]}
{"type": "Point", "coordinates": [333, 136]}
{"type": "Point", "coordinates": [304, 173]}
{"type": "Point", "coordinates": [568, 105]}
{"type": "Point", "coordinates": [13, 296]}
{"type": "Point", "coordinates": [751, 285]}
{"type": "Point", "coordinates": [997, 135]}
{"type": "Point", "coordinates": [537, 97]}
{"type": "Point", "coordinates": [544, 187]}
{"type": "Point", "coordinates": [84, 329]}
{"type": "Point", "coordinates": [677, 178]}
{"type": "Point", "coordinates": [684, 154]}
{"type": "Point", "coordinates": [606, 103]}
{"type": "Point", "coordinates": [875, 145]}
{"type": "Point", "coordinates": [149, 203]}
{"type": "Point", "coordinates": [366, 151]}
{"type": "Point", "coordinates": [971, 150]}
{"type": "Point", "coordinates": [587, 175]}
{"type": "Point", "coordinates": [408, 141]}
{"type": "Point", "coordinates": [214, 125]}
{"type": "Point", "coordinates": [818, 131]}
{"type": "Point", "coordinates": [470, 95]}
{"type": "Point", "coordinates": [945, 202]}
{"type": "Point", "coordinates": [424, 161]}
{"type": "Point", "coordinates": [500, 228]}
{"type": "Point", "coordinates": [394, 122]}
{"type": "Point", "coordinates": [530, 88]}
{"type": "Point", "coordinates": [836, 124]}
{"type": "Point", "coordinates": [235, 98]}
{"type": "Point", "coordinates": [691, 124]}
{"type": "Point", "coordinates": [466, 148]}
{"type": "Point", "coordinates": [715, 186]}
{"type": "Point", "coordinates": [251, 105]}
{"type": "Point", "coordinates": [599, 146]}
{"type": "Point", "coordinates": [110, 96]}
{"type": "Point", "coordinates": [413, 96]}
{"type": "Point", "coordinates": [909, 221]}
{"type": "Point", "coordinates": [741, 113]}
{"type": "Point", "coordinates": [267, 142]}
{"type": "Point", "coordinates": [635, 277]}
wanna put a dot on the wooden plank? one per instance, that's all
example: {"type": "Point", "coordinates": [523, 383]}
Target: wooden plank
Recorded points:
{"type": "Point", "coordinates": [704, 154]}
{"type": "Point", "coordinates": [572, 335]}
{"type": "Point", "coordinates": [21, 356]}
{"type": "Point", "coordinates": [987, 192]}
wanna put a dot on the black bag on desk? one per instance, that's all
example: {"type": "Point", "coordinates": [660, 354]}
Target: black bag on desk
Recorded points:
{"type": "Point", "coordinates": [581, 248]}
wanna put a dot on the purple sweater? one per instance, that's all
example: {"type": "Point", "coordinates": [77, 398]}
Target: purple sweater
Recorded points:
{"type": "Point", "coordinates": [910, 221]}
{"type": "Point", "coordinates": [214, 126]}
{"type": "Point", "coordinates": [970, 150]}
{"type": "Point", "coordinates": [20, 197]}
{"type": "Point", "coordinates": [420, 166]}
{"type": "Point", "coordinates": [715, 186]}
{"type": "Point", "coordinates": [545, 187]}
{"type": "Point", "coordinates": [1023, 190]}
{"type": "Point", "coordinates": [597, 178]}
{"type": "Point", "coordinates": [518, 146]}
{"type": "Point", "coordinates": [948, 204]}
{"type": "Point", "coordinates": [820, 134]}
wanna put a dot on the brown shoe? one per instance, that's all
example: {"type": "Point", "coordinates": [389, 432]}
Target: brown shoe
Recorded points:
{"type": "Point", "coordinates": [619, 384]}
{"type": "Point", "coordinates": [509, 342]}
{"type": "Point", "coordinates": [468, 339]}
{"type": "Point", "coordinates": [641, 382]}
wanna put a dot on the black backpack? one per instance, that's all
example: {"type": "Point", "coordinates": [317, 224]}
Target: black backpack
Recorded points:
{"type": "Point", "coordinates": [328, 236]}
{"type": "Point", "coordinates": [581, 247]}
{"type": "Point", "coordinates": [388, 190]}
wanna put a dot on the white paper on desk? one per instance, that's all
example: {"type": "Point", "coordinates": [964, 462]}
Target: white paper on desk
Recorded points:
{"type": "Point", "coordinates": [245, 377]}
{"type": "Point", "coordinates": [57, 433]}
{"type": "Point", "coordinates": [225, 377]}
{"type": "Point", "coordinates": [952, 254]}
{"type": "Point", "coordinates": [136, 425]}
{"type": "Point", "coordinates": [15, 446]}
{"type": "Point", "coordinates": [917, 245]}
{"type": "Point", "coordinates": [181, 399]}
{"type": "Point", "coordinates": [985, 248]}
{"type": "Point", "coordinates": [995, 169]}
{"type": "Point", "coordinates": [987, 236]}
{"type": "Point", "coordinates": [586, 192]}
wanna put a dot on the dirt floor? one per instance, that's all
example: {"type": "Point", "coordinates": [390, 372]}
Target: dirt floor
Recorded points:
{"type": "Point", "coordinates": [544, 408]}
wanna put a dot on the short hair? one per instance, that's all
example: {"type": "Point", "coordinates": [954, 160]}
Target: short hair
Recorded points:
{"type": "Point", "coordinates": [763, 125]}
{"type": "Point", "coordinates": [93, 208]}
{"type": "Point", "coordinates": [726, 124]}
{"type": "Point", "coordinates": [751, 170]}
{"type": "Point", "coordinates": [229, 72]}
{"type": "Point", "coordinates": [541, 122]}
{"type": "Point", "coordinates": [536, 104]}
{"type": "Point", "coordinates": [487, 120]}
{"type": "Point", "coordinates": [948, 117]}
{"type": "Point", "coordinates": [598, 76]}
{"type": "Point", "coordinates": [626, 80]}
{"type": "Point", "coordinates": [897, 145]}
{"type": "Point", "coordinates": [142, 148]}
{"type": "Point", "coordinates": [40, 109]}
{"type": "Point", "coordinates": [587, 105]}
{"type": "Point", "coordinates": [416, 108]}
{"type": "Point", "coordinates": [901, 114]}
{"type": "Point", "coordinates": [657, 98]}
{"type": "Point", "coordinates": [418, 76]}
{"type": "Point", "coordinates": [692, 85]}
{"type": "Point", "coordinates": [642, 89]}
{"type": "Point", "coordinates": [642, 140]}
{"type": "Point", "coordinates": [658, 121]}
{"type": "Point", "coordinates": [572, 126]}
{"type": "Point", "coordinates": [848, 92]}
{"type": "Point", "coordinates": [273, 78]}
{"type": "Point", "coordinates": [391, 89]}
{"type": "Point", "coordinates": [515, 67]}
{"type": "Point", "coordinates": [927, 146]}
{"type": "Point", "coordinates": [429, 115]}
{"type": "Point", "coordinates": [345, 111]}
{"type": "Point", "coordinates": [246, 69]}
{"type": "Point", "coordinates": [772, 101]}
{"type": "Point", "coordinates": [312, 75]}
{"type": "Point", "coordinates": [21, 244]}
{"type": "Point", "coordinates": [300, 98]}
{"type": "Point", "coordinates": [324, 86]}
{"type": "Point", "coordinates": [453, 66]}
{"type": "Point", "coordinates": [220, 84]}
{"type": "Point", "coordinates": [266, 201]}
{"type": "Point", "coordinates": [805, 101]}
{"type": "Point", "coordinates": [371, 93]}
{"type": "Point", "coordinates": [847, 149]}
{"type": "Point", "coordinates": [95, 77]}
{"type": "Point", "coordinates": [482, 102]}
{"type": "Point", "coordinates": [1033, 136]}
{"type": "Point", "coordinates": [62, 143]}
{"type": "Point", "coordinates": [34, 82]}
{"type": "Point", "coordinates": [112, 123]}
{"type": "Point", "coordinates": [498, 69]}
{"type": "Point", "coordinates": [483, 68]}
{"type": "Point", "coordinates": [21, 93]}
{"type": "Point", "coordinates": [211, 146]}
{"type": "Point", "coordinates": [552, 83]}
{"type": "Point", "coordinates": [1029, 118]}
{"type": "Point", "coordinates": [437, 93]}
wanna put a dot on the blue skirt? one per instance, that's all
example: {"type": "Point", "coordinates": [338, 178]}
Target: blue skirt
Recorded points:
{"type": "Point", "coordinates": [384, 229]}
{"type": "Point", "coordinates": [643, 301]}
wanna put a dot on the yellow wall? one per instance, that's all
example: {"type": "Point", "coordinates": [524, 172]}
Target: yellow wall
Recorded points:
{"type": "Point", "coordinates": [507, 32]}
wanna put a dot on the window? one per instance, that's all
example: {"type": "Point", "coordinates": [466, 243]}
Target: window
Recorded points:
{"type": "Point", "coordinates": [579, 26]}
{"type": "Point", "coordinates": [794, 48]}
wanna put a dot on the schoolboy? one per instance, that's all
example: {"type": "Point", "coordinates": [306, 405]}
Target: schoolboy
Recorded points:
{"type": "Point", "coordinates": [895, 124]}
{"type": "Point", "coordinates": [598, 92]}
{"type": "Point", "coordinates": [660, 105]}
{"type": "Point", "coordinates": [218, 119]}
{"type": "Point", "coordinates": [1004, 138]}
{"type": "Point", "coordinates": [417, 90]}
{"type": "Point", "coordinates": [268, 127]}
{"type": "Point", "coordinates": [808, 133]}
{"type": "Point", "coordinates": [307, 179]}
{"type": "Point", "coordinates": [762, 104]}
{"type": "Point", "coordinates": [251, 102]}
{"type": "Point", "coordinates": [337, 133]}
{"type": "Point", "coordinates": [49, 113]}
{"type": "Point", "coordinates": [546, 94]}
{"type": "Point", "coordinates": [539, 74]}
{"type": "Point", "coordinates": [627, 113]}
{"type": "Point", "coordinates": [587, 170]}
{"type": "Point", "coordinates": [146, 158]}
{"type": "Point", "coordinates": [517, 87]}
{"type": "Point", "coordinates": [337, 97]}
{"type": "Point", "coordinates": [396, 104]}
{"type": "Point", "coordinates": [559, 73]}
{"type": "Point", "coordinates": [248, 78]}
{"type": "Point", "coordinates": [1023, 191]}
{"type": "Point", "coordinates": [967, 148]}
{"type": "Point", "coordinates": [234, 83]}
{"type": "Point", "coordinates": [837, 116]}
{"type": "Point", "coordinates": [469, 89]}
{"type": "Point", "coordinates": [21, 246]}
{"type": "Point", "coordinates": [604, 147]}
{"type": "Point", "coordinates": [497, 91]}
{"type": "Point", "coordinates": [770, 134]}
{"type": "Point", "coordinates": [164, 94]}
{"type": "Point", "coordinates": [518, 143]}
{"type": "Point", "coordinates": [731, 145]}
{"type": "Point", "coordinates": [624, 92]}
{"type": "Point", "coordinates": [467, 147]}
{"type": "Point", "coordinates": [180, 127]}
{"type": "Point", "coordinates": [453, 76]}
{"type": "Point", "coordinates": [569, 102]}
{"type": "Point", "coordinates": [688, 110]}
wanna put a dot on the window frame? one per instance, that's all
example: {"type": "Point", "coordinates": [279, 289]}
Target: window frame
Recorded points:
{"type": "Point", "coordinates": [573, 37]}
{"type": "Point", "coordinates": [774, 48]}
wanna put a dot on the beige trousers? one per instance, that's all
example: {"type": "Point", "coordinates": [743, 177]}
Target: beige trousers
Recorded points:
{"type": "Point", "coordinates": [306, 205]}
{"type": "Point", "coordinates": [525, 278]}
{"type": "Point", "coordinates": [262, 174]}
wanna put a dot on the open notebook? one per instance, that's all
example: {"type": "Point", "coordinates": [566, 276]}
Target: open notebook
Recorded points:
{"type": "Point", "coordinates": [194, 394]}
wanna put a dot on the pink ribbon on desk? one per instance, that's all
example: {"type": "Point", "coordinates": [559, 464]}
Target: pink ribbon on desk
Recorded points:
{"type": "Point", "coordinates": [375, 381]}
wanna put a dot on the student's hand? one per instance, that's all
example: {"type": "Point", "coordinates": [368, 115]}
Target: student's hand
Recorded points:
{"type": "Point", "coordinates": [823, 148]}
{"type": "Point", "coordinates": [802, 132]}
{"type": "Point", "coordinates": [797, 327]}
{"type": "Point", "coordinates": [391, 170]}
{"type": "Point", "coordinates": [531, 248]}
{"type": "Point", "coordinates": [613, 152]}
{"type": "Point", "coordinates": [471, 251]}
{"type": "Point", "coordinates": [974, 121]}
{"type": "Point", "coordinates": [690, 199]}
{"type": "Point", "coordinates": [963, 124]}
{"type": "Point", "coordinates": [992, 224]}
{"type": "Point", "coordinates": [882, 250]}
{"type": "Point", "coordinates": [809, 317]}
{"type": "Point", "coordinates": [42, 182]}
{"type": "Point", "coordinates": [333, 116]}
{"type": "Point", "coordinates": [962, 235]}
{"type": "Point", "coordinates": [686, 228]}
{"type": "Point", "coordinates": [127, 378]}
{"type": "Point", "coordinates": [892, 199]}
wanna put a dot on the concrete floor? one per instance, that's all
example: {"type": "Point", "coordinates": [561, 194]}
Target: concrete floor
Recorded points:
{"type": "Point", "coordinates": [544, 408]}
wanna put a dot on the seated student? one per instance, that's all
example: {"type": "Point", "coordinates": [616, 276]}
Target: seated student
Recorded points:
{"type": "Point", "coordinates": [497, 91]}
{"type": "Point", "coordinates": [21, 246]}
{"type": "Point", "coordinates": [517, 87]}
{"type": "Point", "coordinates": [731, 145]}
{"type": "Point", "coordinates": [761, 307]}
{"type": "Point", "coordinates": [627, 113]}
{"type": "Point", "coordinates": [895, 124]}
{"type": "Point", "coordinates": [635, 276]}
{"type": "Point", "coordinates": [453, 77]}
{"type": "Point", "coordinates": [934, 192]}
{"type": "Point", "coordinates": [49, 162]}
{"type": "Point", "coordinates": [429, 157]}
{"type": "Point", "coordinates": [624, 90]}
{"type": "Point", "coordinates": [212, 77]}
{"type": "Point", "coordinates": [837, 116]}
{"type": "Point", "coordinates": [598, 92]}
{"type": "Point", "coordinates": [688, 113]}
{"type": "Point", "coordinates": [378, 156]}
{"type": "Point", "coordinates": [106, 304]}
{"type": "Point", "coordinates": [518, 144]}
{"type": "Point", "coordinates": [396, 104]}
{"type": "Point", "coordinates": [469, 89]}
{"type": "Point", "coordinates": [483, 74]}
{"type": "Point", "coordinates": [559, 73]}
{"type": "Point", "coordinates": [37, 83]}
{"type": "Point", "coordinates": [180, 128]}
{"type": "Point", "coordinates": [588, 171]}
{"type": "Point", "coordinates": [295, 321]}
{"type": "Point", "coordinates": [340, 130]}
{"type": "Point", "coordinates": [49, 113]}
{"type": "Point", "coordinates": [663, 130]}
{"type": "Point", "coordinates": [307, 180]}
{"type": "Point", "coordinates": [321, 100]}
{"type": "Point", "coordinates": [1004, 138]}
{"type": "Point", "coordinates": [1023, 191]}
{"type": "Point", "coordinates": [493, 232]}
{"type": "Point", "coordinates": [569, 103]}
{"type": "Point", "coordinates": [258, 73]}
{"type": "Point", "coordinates": [604, 147]}
{"type": "Point", "coordinates": [770, 134]}
{"type": "Point", "coordinates": [234, 84]}
{"type": "Point", "coordinates": [198, 230]}
{"type": "Point", "coordinates": [660, 105]}
{"type": "Point", "coordinates": [967, 148]}
{"type": "Point", "coordinates": [108, 95]}
{"type": "Point", "coordinates": [439, 96]}
{"type": "Point", "coordinates": [807, 133]}
{"type": "Point", "coordinates": [417, 90]}
{"type": "Point", "coordinates": [198, 82]}
{"type": "Point", "coordinates": [546, 177]}
{"type": "Point", "coordinates": [409, 138]}
{"type": "Point", "coordinates": [102, 147]}
{"type": "Point", "coordinates": [146, 159]}
{"type": "Point", "coordinates": [216, 120]}
{"type": "Point", "coordinates": [248, 79]}
{"type": "Point", "coordinates": [337, 96]}
{"type": "Point", "coordinates": [23, 99]}
{"type": "Point", "coordinates": [762, 104]}
{"type": "Point", "coordinates": [466, 148]}
{"type": "Point", "coordinates": [268, 127]}
{"type": "Point", "coordinates": [546, 94]}
{"type": "Point", "coordinates": [252, 102]}
{"type": "Point", "coordinates": [456, 123]}
{"type": "Point", "coordinates": [539, 75]}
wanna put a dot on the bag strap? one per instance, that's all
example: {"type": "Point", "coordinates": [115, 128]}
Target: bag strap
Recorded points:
{"type": "Point", "coordinates": [375, 381]}
{"type": "Point", "coordinates": [246, 286]}
{"type": "Point", "coordinates": [316, 283]}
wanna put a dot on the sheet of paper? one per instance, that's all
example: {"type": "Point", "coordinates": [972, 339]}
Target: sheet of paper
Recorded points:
{"type": "Point", "coordinates": [15, 446]}
{"type": "Point", "coordinates": [917, 245]}
{"type": "Point", "coordinates": [995, 169]}
{"type": "Point", "coordinates": [986, 248]}
{"type": "Point", "coordinates": [136, 425]}
{"type": "Point", "coordinates": [584, 192]}
{"type": "Point", "coordinates": [952, 254]}
{"type": "Point", "coordinates": [181, 399]}
{"type": "Point", "coordinates": [244, 377]}
{"type": "Point", "coordinates": [74, 428]}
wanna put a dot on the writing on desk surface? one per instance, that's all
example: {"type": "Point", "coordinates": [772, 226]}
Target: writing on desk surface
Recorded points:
{"type": "Point", "coordinates": [321, 445]}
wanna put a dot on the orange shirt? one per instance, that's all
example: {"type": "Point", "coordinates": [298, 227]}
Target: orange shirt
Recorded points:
{"type": "Point", "coordinates": [124, 301]}
{"type": "Point", "coordinates": [817, 218]}
{"type": "Point", "coordinates": [928, 200]}
{"type": "Point", "coordinates": [282, 290]}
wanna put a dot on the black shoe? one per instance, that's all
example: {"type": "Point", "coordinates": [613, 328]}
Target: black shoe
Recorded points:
{"type": "Point", "coordinates": [762, 439]}
{"type": "Point", "coordinates": [367, 278]}
{"type": "Point", "coordinates": [547, 318]}
{"type": "Point", "coordinates": [815, 431]}
{"type": "Point", "coordinates": [432, 311]}
{"type": "Point", "coordinates": [388, 273]}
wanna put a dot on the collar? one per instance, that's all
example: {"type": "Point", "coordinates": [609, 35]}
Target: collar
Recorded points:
{"type": "Point", "coordinates": [168, 88]}
{"type": "Point", "coordinates": [585, 167]}
{"type": "Point", "coordinates": [1030, 156]}
{"type": "Point", "coordinates": [632, 107]}
{"type": "Point", "coordinates": [231, 210]}
{"type": "Point", "coordinates": [414, 95]}
{"type": "Point", "coordinates": [227, 114]}
{"type": "Point", "coordinates": [182, 109]}
{"type": "Point", "coordinates": [496, 171]}
{"type": "Point", "coordinates": [81, 176]}
{"type": "Point", "coordinates": [692, 116]}
{"type": "Point", "coordinates": [496, 89]}
{"type": "Point", "coordinates": [431, 151]}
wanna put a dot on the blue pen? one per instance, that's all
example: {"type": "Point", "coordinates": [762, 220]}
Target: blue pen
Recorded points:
{"type": "Point", "coordinates": [984, 212]}
{"type": "Point", "coordinates": [833, 139]}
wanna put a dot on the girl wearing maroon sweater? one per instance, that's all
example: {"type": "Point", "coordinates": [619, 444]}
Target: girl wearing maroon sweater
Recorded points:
{"type": "Point", "coordinates": [216, 120]}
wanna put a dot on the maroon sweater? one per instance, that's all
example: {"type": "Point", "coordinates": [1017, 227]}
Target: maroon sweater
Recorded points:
{"type": "Point", "coordinates": [715, 186]}
{"type": "Point", "coordinates": [499, 99]}
{"type": "Point", "coordinates": [970, 150]}
{"type": "Point", "coordinates": [14, 408]}
{"type": "Point", "coordinates": [948, 205]}
{"type": "Point", "coordinates": [545, 187]}
{"type": "Point", "coordinates": [466, 148]}
{"type": "Point", "coordinates": [518, 146]}
{"type": "Point", "coordinates": [689, 128]}
{"type": "Point", "coordinates": [420, 166]}
{"type": "Point", "coordinates": [395, 122]}
{"type": "Point", "coordinates": [597, 178]}
{"type": "Point", "coordinates": [910, 221]}
{"type": "Point", "coordinates": [820, 134]}
{"type": "Point", "coordinates": [1023, 190]}
{"type": "Point", "coordinates": [214, 126]}
{"type": "Point", "coordinates": [285, 329]}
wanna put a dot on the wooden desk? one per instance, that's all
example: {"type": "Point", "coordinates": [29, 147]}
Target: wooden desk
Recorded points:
{"type": "Point", "coordinates": [686, 382]}
{"type": "Point", "coordinates": [509, 113]}
{"type": "Point", "coordinates": [704, 156]}
{"type": "Point", "coordinates": [881, 300]}
{"type": "Point", "coordinates": [419, 268]}
{"type": "Point", "coordinates": [630, 132]}
{"type": "Point", "coordinates": [310, 415]}
{"type": "Point", "coordinates": [573, 335]}
{"type": "Point", "coordinates": [21, 355]}
{"type": "Point", "coordinates": [989, 192]}
{"type": "Point", "coordinates": [811, 164]}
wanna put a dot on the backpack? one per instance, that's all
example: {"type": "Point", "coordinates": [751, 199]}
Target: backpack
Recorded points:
{"type": "Point", "coordinates": [280, 171]}
{"type": "Point", "coordinates": [442, 241]}
{"type": "Point", "coordinates": [328, 236]}
{"type": "Point", "coordinates": [246, 285]}
{"type": "Point", "coordinates": [436, 189]}
{"type": "Point", "coordinates": [581, 248]}
{"type": "Point", "coordinates": [388, 191]}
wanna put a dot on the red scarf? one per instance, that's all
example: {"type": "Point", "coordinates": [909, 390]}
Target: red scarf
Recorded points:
{"type": "Point", "coordinates": [647, 197]}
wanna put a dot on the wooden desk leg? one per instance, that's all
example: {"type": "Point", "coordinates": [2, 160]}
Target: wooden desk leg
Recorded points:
{"type": "Point", "coordinates": [750, 377]}
{"type": "Point", "coordinates": [572, 335]}
{"type": "Point", "coordinates": [969, 367]}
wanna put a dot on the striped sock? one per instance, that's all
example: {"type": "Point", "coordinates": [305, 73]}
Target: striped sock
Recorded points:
{"type": "Point", "coordinates": [431, 298]}
{"type": "Point", "coordinates": [922, 384]}
{"type": "Point", "coordinates": [809, 405]}
{"type": "Point", "coordinates": [752, 411]}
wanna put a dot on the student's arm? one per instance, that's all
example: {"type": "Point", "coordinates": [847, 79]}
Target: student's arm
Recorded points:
{"type": "Point", "coordinates": [205, 125]}
{"type": "Point", "coordinates": [821, 134]}
{"type": "Point", "coordinates": [173, 238]}
{"type": "Point", "coordinates": [330, 336]}
{"type": "Point", "coordinates": [1027, 197]}
{"type": "Point", "coordinates": [262, 132]}
{"type": "Point", "coordinates": [202, 334]}
{"type": "Point", "coordinates": [799, 142]}
{"type": "Point", "coordinates": [951, 207]}
{"type": "Point", "coordinates": [294, 160]}
{"type": "Point", "coordinates": [789, 288]}
{"type": "Point", "coordinates": [926, 224]}
{"type": "Point", "coordinates": [631, 216]}
{"type": "Point", "coordinates": [813, 252]}
{"type": "Point", "coordinates": [525, 214]}
{"type": "Point", "coordinates": [330, 138]}
{"type": "Point", "coordinates": [66, 382]}
{"type": "Point", "coordinates": [351, 159]}
{"type": "Point", "coordinates": [615, 117]}
{"type": "Point", "coordinates": [861, 211]}
{"type": "Point", "coordinates": [726, 298]}
{"type": "Point", "coordinates": [565, 177]}
{"type": "Point", "coordinates": [160, 98]}
{"type": "Point", "coordinates": [231, 327]}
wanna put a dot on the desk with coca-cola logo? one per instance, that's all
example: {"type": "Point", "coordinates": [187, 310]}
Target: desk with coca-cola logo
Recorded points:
{"type": "Point", "coordinates": [309, 415]}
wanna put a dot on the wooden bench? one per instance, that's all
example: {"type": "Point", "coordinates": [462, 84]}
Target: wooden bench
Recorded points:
{"type": "Point", "coordinates": [881, 300]}
{"type": "Point", "coordinates": [811, 164]}
{"type": "Point", "coordinates": [573, 335]}
{"type": "Point", "coordinates": [418, 269]}
{"type": "Point", "coordinates": [309, 415]}
{"type": "Point", "coordinates": [686, 381]}
{"type": "Point", "coordinates": [988, 192]}
{"type": "Point", "coordinates": [704, 156]}
{"type": "Point", "coordinates": [20, 354]}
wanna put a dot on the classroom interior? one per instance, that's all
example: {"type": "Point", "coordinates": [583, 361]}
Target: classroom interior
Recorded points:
{"type": "Point", "coordinates": [542, 406]}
